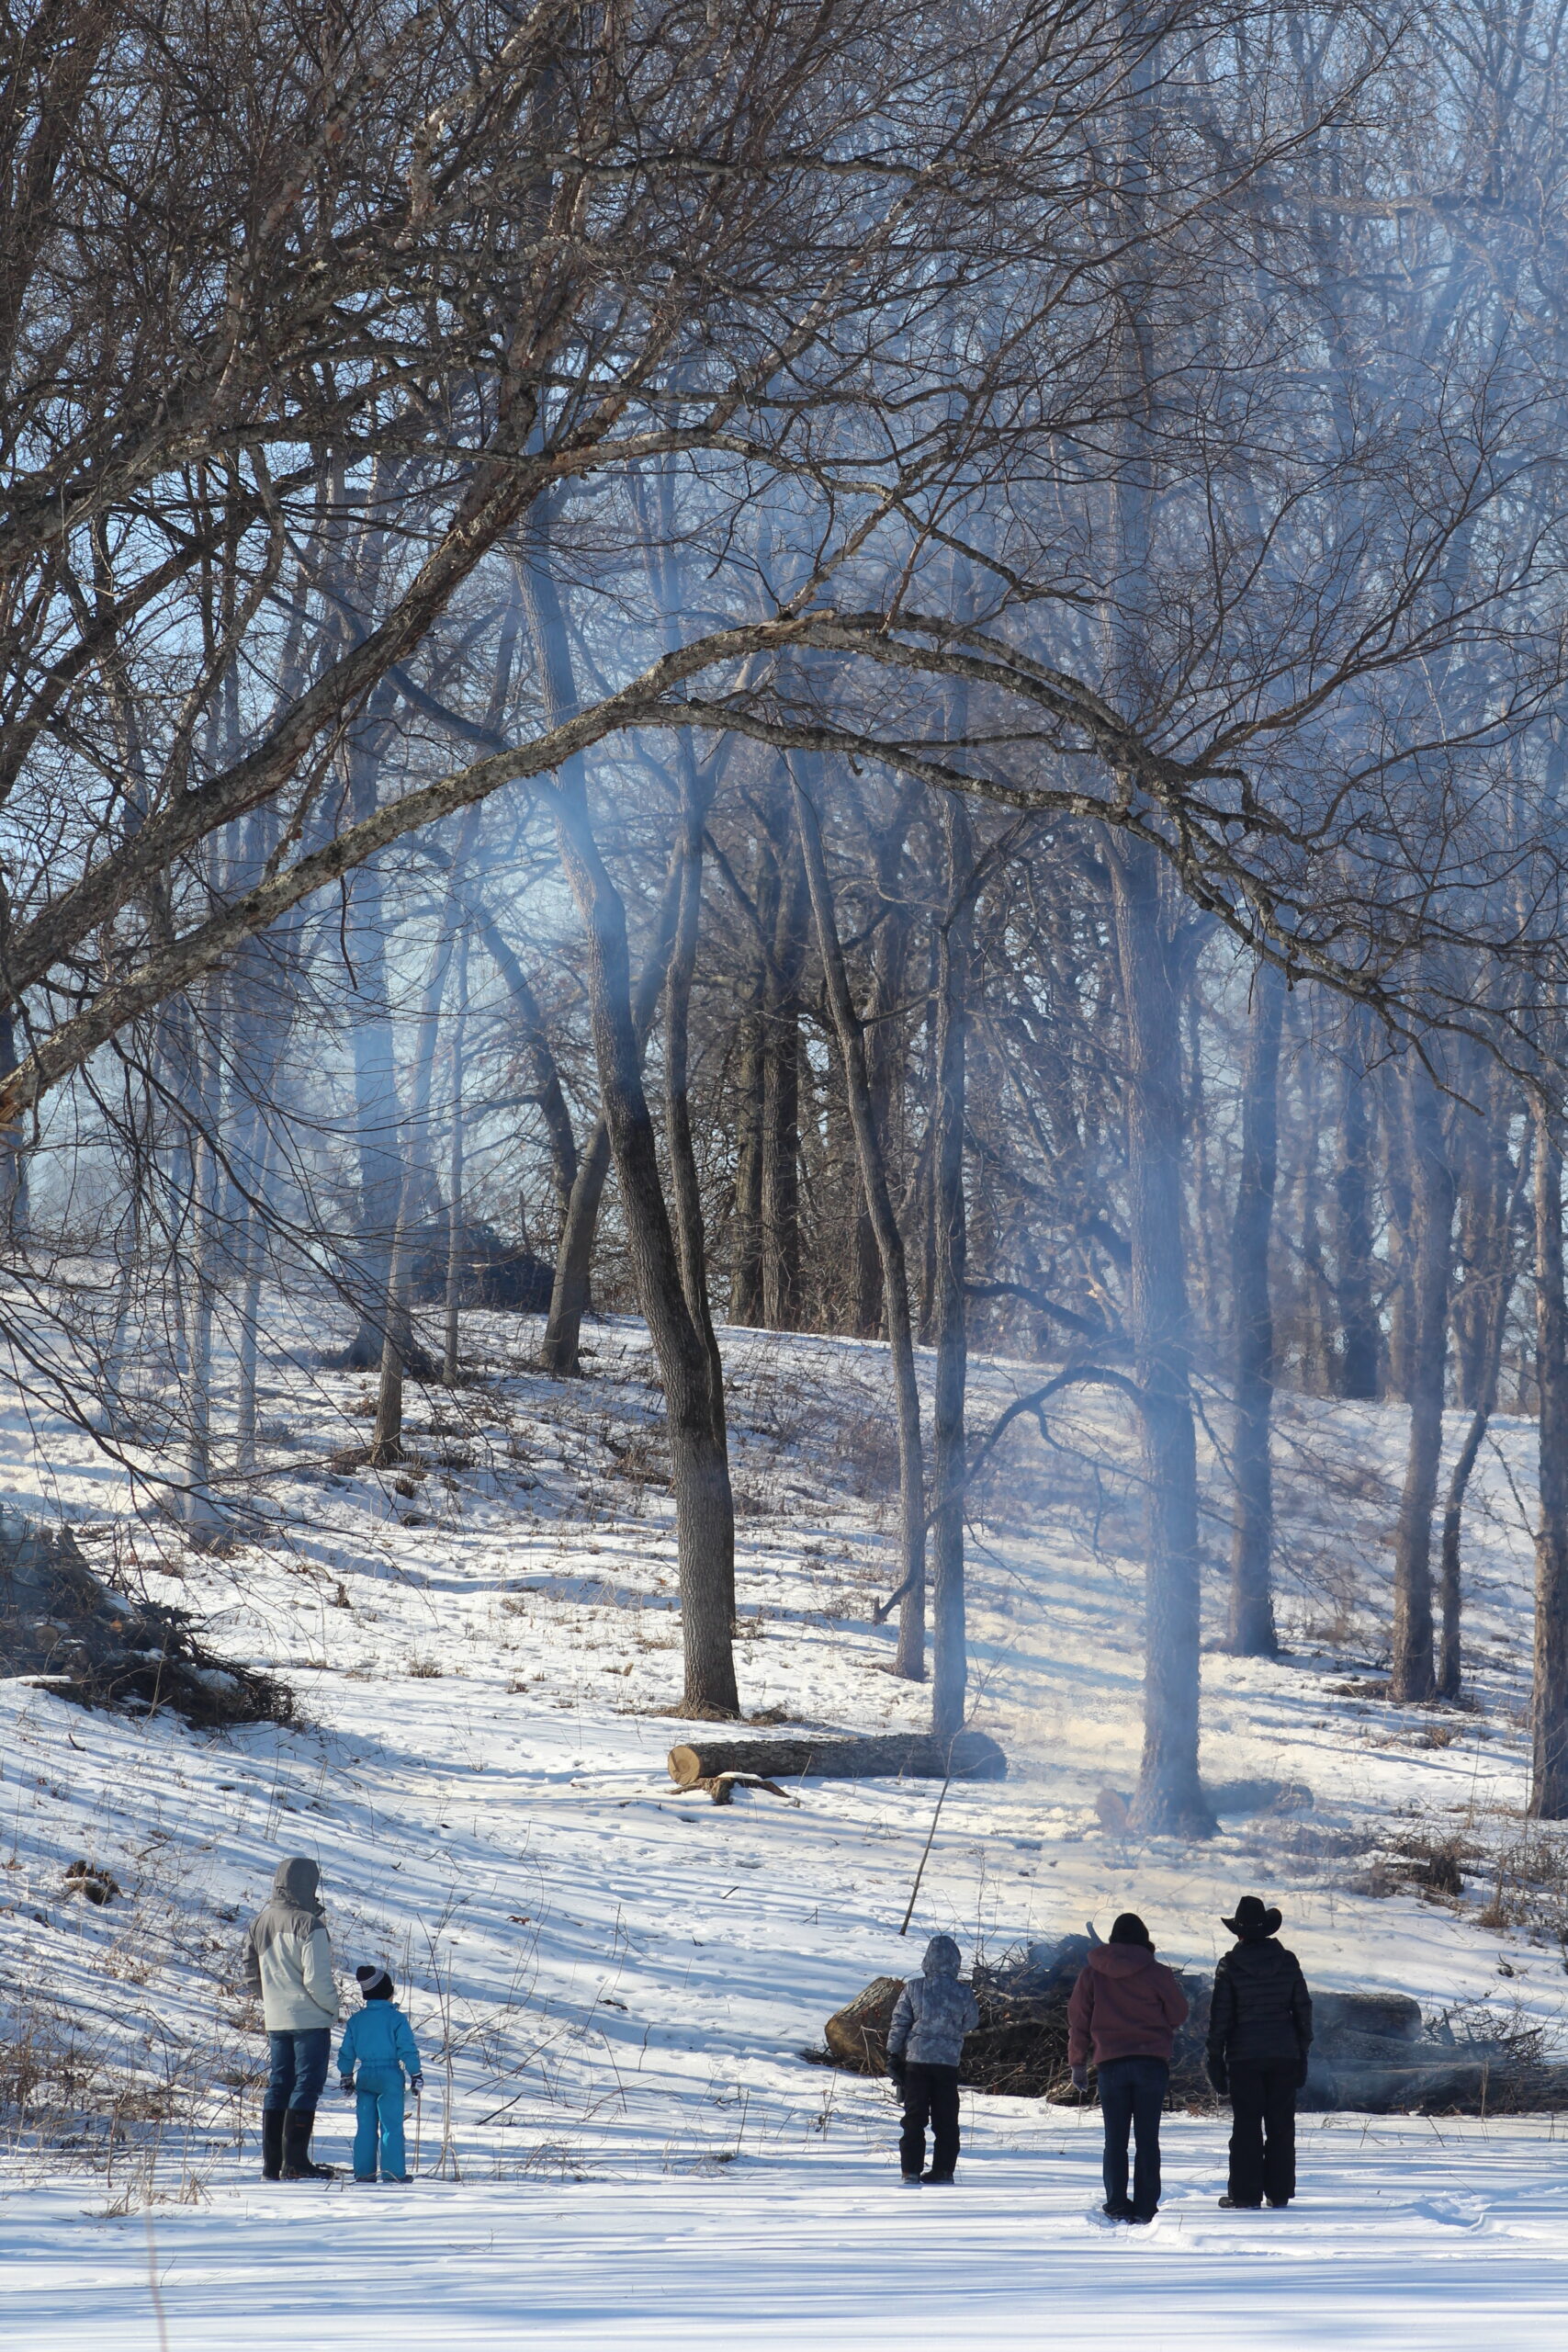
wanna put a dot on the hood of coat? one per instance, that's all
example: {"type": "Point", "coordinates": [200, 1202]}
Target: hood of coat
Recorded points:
{"type": "Point", "coordinates": [943, 1957]}
{"type": "Point", "coordinates": [296, 1881]}
{"type": "Point", "coordinates": [1121, 1959]}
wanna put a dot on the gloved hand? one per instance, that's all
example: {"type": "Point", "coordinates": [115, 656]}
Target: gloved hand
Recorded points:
{"type": "Point", "coordinates": [1080, 2078]}
{"type": "Point", "coordinates": [1219, 2075]}
{"type": "Point", "coordinates": [1302, 2074]}
{"type": "Point", "coordinates": [417, 2085]}
{"type": "Point", "coordinates": [347, 2086]}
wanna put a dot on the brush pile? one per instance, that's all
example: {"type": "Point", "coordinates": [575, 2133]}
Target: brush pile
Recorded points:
{"type": "Point", "coordinates": [1373, 2052]}
{"type": "Point", "coordinates": [61, 1627]}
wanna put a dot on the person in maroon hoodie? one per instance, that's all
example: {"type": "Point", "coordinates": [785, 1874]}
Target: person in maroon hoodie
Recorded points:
{"type": "Point", "coordinates": [1123, 2013]}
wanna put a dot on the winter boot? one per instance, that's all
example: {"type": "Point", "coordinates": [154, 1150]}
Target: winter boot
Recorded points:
{"type": "Point", "coordinates": [272, 2142]}
{"type": "Point", "coordinates": [297, 2124]}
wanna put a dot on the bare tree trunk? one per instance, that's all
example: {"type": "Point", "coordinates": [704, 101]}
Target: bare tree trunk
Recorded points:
{"type": "Point", "coordinates": [378, 1112]}
{"type": "Point", "coordinates": [1321, 1311]}
{"type": "Point", "coordinates": [1400, 1242]}
{"type": "Point", "coordinates": [884, 1049]}
{"type": "Point", "coordinates": [387, 1438]}
{"type": "Point", "coordinates": [1549, 1761]}
{"type": "Point", "coordinates": [205, 1522]}
{"type": "Point", "coordinates": [13, 1146]}
{"type": "Point", "coordinates": [695, 801]}
{"type": "Point", "coordinates": [1414, 1675]}
{"type": "Point", "coordinates": [1492, 1270]}
{"type": "Point", "coordinates": [705, 1509]}
{"type": "Point", "coordinates": [751, 1084]}
{"type": "Point", "coordinates": [1359, 1336]}
{"type": "Point", "coordinates": [560, 1351]}
{"type": "Point", "coordinates": [1252, 1628]}
{"type": "Point", "coordinates": [950, 1668]}
{"type": "Point", "coordinates": [455, 1178]}
{"type": "Point", "coordinates": [781, 1093]}
{"type": "Point", "coordinates": [1170, 1796]}
{"type": "Point", "coordinates": [909, 1659]}
{"type": "Point", "coordinates": [245, 1414]}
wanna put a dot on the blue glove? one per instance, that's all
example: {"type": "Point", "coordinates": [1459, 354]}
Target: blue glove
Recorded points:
{"type": "Point", "coordinates": [1080, 2077]}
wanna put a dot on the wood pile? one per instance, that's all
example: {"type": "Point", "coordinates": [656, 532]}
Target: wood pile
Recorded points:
{"type": "Point", "coordinates": [1372, 2052]}
{"type": "Point", "coordinates": [62, 1628]}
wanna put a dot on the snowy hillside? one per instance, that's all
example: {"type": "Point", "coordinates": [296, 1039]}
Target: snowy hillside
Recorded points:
{"type": "Point", "coordinates": [614, 1985]}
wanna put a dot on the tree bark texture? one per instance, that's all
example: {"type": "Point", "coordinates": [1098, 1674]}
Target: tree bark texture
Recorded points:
{"type": "Point", "coordinates": [884, 1049]}
{"type": "Point", "coordinates": [910, 1658]}
{"type": "Point", "coordinates": [705, 1508]}
{"type": "Point", "coordinates": [1252, 1630]}
{"type": "Point", "coordinates": [1414, 1674]}
{"type": "Point", "coordinates": [378, 1110]}
{"type": "Point", "coordinates": [1170, 1795]}
{"type": "Point", "coordinates": [1401, 1243]}
{"type": "Point", "coordinates": [781, 1088]}
{"type": "Point", "coordinates": [966, 1756]}
{"type": "Point", "coordinates": [697, 795]}
{"type": "Point", "coordinates": [1549, 1759]}
{"type": "Point", "coordinates": [1492, 1269]}
{"type": "Point", "coordinates": [751, 1084]}
{"type": "Point", "coordinates": [560, 1349]}
{"type": "Point", "coordinates": [950, 1666]}
{"type": "Point", "coordinates": [1360, 1338]}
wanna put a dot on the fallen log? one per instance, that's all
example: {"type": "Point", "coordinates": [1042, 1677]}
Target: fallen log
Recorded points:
{"type": "Point", "coordinates": [914, 1755]}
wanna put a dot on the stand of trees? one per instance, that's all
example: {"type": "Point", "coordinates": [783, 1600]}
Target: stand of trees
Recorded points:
{"type": "Point", "coordinates": [912, 663]}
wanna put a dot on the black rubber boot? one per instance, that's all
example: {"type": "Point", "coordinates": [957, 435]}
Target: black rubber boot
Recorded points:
{"type": "Point", "coordinates": [272, 2142]}
{"type": "Point", "coordinates": [297, 2124]}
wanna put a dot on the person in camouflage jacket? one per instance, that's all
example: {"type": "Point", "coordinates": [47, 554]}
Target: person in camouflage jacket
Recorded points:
{"type": "Point", "coordinates": [925, 2041]}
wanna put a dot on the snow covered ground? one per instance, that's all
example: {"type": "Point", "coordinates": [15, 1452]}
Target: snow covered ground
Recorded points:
{"type": "Point", "coordinates": [616, 1987]}
{"type": "Point", "coordinates": [1406, 2238]}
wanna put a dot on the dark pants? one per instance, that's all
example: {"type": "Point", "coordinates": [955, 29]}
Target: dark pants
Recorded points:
{"type": "Point", "coordinates": [1132, 2093]}
{"type": "Point", "coordinates": [1263, 2132]}
{"type": "Point", "coordinates": [299, 2069]}
{"type": "Point", "coordinates": [930, 2092]}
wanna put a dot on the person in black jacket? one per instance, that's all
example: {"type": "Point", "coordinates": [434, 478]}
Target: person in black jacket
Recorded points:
{"type": "Point", "coordinates": [1259, 2033]}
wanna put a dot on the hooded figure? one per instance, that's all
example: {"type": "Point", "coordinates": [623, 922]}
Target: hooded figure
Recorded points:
{"type": "Point", "coordinates": [925, 2041]}
{"type": "Point", "coordinates": [288, 1953]}
{"type": "Point", "coordinates": [1123, 2012]}
{"type": "Point", "coordinates": [934, 2011]}
{"type": "Point", "coordinates": [287, 1960]}
{"type": "Point", "coordinates": [1126, 2004]}
{"type": "Point", "coordinates": [1259, 2034]}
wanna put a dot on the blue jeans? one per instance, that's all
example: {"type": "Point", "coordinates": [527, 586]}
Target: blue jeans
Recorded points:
{"type": "Point", "coordinates": [299, 2069]}
{"type": "Point", "coordinates": [379, 2114]}
{"type": "Point", "coordinates": [1132, 2094]}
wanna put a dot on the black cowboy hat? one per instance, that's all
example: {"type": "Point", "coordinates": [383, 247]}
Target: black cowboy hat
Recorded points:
{"type": "Point", "coordinates": [1253, 1919]}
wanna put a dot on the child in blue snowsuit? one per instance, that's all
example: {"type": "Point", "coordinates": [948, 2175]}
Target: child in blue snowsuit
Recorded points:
{"type": "Point", "coordinates": [379, 2040]}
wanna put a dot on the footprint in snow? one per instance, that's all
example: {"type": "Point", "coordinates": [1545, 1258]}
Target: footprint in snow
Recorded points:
{"type": "Point", "coordinates": [1453, 2212]}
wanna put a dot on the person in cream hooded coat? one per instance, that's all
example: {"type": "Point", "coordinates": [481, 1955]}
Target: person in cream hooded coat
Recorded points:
{"type": "Point", "coordinates": [287, 1960]}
